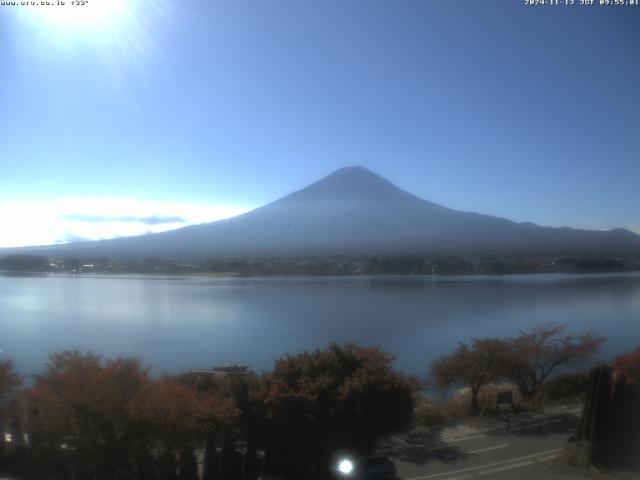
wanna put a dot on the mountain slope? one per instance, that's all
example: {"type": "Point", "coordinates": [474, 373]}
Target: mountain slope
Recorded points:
{"type": "Point", "coordinates": [355, 211]}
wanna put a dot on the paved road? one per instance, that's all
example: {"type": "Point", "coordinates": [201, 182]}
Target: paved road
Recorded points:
{"type": "Point", "coordinates": [491, 456]}
{"type": "Point", "coordinates": [517, 446]}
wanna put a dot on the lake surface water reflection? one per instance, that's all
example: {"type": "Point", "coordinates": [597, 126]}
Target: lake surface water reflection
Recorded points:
{"type": "Point", "coordinates": [180, 323]}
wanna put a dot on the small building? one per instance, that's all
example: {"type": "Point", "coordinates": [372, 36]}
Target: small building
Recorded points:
{"type": "Point", "coordinates": [223, 370]}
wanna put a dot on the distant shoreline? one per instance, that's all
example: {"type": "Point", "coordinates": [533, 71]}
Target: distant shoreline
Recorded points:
{"type": "Point", "coordinates": [335, 265]}
{"type": "Point", "coordinates": [6, 273]}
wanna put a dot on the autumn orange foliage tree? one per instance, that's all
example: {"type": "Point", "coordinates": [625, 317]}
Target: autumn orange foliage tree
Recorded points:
{"type": "Point", "coordinates": [473, 366]}
{"type": "Point", "coordinates": [542, 350]}
{"type": "Point", "coordinates": [628, 365]}
{"type": "Point", "coordinates": [342, 398]}
{"type": "Point", "coordinates": [88, 406]}
{"type": "Point", "coordinates": [104, 413]}
{"type": "Point", "coordinates": [527, 360]}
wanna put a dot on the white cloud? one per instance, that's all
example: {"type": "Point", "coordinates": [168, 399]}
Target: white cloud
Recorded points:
{"type": "Point", "coordinates": [634, 227]}
{"type": "Point", "coordinates": [63, 220]}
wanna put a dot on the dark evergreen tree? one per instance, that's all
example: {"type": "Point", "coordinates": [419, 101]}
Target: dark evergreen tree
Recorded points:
{"type": "Point", "coordinates": [269, 464]}
{"type": "Point", "coordinates": [188, 463]}
{"type": "Point", "coordinates": [250, 461]}
{"type": "Point", "coordinates": [599, 429]}
{"type": "Point", "coordinates": [15, 428]}
{"type": "Point", "coordinates": [210, 468]}
{"type": "Point", "coordinates": [610, 426]}
{"type": "Point", "coordinates": [227, 455]}
{"type": "Point", "coordinates": [145, 465]}
{"type": "Point", "coordinates": [168, 470]}
{"type": "Point", "coordinates": [238, 459]}
{"type": "Point", "coordinates": [83, 471]}
{"type": "Point", "coordinates": [107, 471]}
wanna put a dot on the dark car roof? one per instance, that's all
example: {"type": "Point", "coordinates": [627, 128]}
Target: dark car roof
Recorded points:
{"type": "Point", "coordinates": [372, 461]}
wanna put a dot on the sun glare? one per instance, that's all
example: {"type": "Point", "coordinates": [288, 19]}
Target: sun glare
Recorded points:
{"type": "Point", "coordinates": [83, 14]}
{"type": "Point", "coordinates": [120, 31]}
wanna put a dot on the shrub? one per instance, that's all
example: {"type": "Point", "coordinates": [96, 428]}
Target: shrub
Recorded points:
{"type": "Point", "coordinates": [567, 387]}
{"type": "Point", "coordinates": [573, 455]}
{"type": "Point", "coordinates": [430, 413]}
{"type": "Point", "coordinates": [344, 398]}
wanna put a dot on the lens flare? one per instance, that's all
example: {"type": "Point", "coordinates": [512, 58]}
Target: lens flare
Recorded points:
{"type": "Point", "coordinates": [345, 466]}
{"type": "Point", "coordinates": [81, 13]}
{"type": "Point", "coordinates": [121, 31]}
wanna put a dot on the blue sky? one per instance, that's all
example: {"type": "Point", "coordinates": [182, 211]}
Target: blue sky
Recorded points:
{"type": "Point", "coordinates": [197, 110]}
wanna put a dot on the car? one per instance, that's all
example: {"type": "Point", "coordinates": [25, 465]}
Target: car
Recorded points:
{"type": "Point", "coordinates": [373, 467]}
{"type": "Point", "coordinates": [379, 467]}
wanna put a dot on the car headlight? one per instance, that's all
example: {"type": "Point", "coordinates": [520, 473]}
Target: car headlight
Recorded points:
{"type": "Point", "coordinates": [345, 466]}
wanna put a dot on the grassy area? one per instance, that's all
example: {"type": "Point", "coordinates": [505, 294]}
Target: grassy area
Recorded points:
{"type": "Point", "coordinates": [564, 389]}
{"type": "Point", "coordinates": [572, 454]}
{"type": "Point", "coordinates": [430, 412]}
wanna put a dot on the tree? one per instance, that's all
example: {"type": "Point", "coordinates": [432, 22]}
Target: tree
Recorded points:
{"type": "Point", "coordinates": [475, 366]}
{"type": "Point", "coordinates": [628, 365]}
{"type": "Point", "coordinates": [14, 457]}
{"type": "Point", "coordinates": [344, 398]}
{"type": "Point", "coordinates": [227, 457]}
{"type": "Point", "coordinates": [188, 463]}
{"type": "Point", "coordinates": [236, 393]}
{"type": "Point", "coordinates": [24, 263]}
{"type": "Point", "coordinates": [10, 381]}
{"type": "Point", "coordinates": [609, 431]}
{"type": "Point", "coordinates": [109, 411]}
{"type": "Point", "coordinates": [86, 403]}
{"type": "Point", "coordinates": [145, 464]}
{"type": "Point", "coordinates": [243, 392]}
{"type": "Point", "coordinates": [172, 412]}
{"type": "Point", "coordinates": [210, 464]}
{"type": "Point", "coordinates": [250, 461]}
{"type": "Point", "coordinates": [540, 351]}
{"type": "Point", "coordinates": [167, 468]}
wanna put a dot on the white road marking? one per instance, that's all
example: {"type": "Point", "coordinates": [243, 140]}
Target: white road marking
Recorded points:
{"type": "Point", "coordinates": [546, 459]}
{"type": "Point", "coordinates": [436, 475]}
{"type": "Point", "coordinates": [461, 439]}
{"type": "Point", "coordinates": [503, 469]}
{"type": "Point", "coordinates": [458, 434]}
{"type": "Point", "coordinates": [489, 448]}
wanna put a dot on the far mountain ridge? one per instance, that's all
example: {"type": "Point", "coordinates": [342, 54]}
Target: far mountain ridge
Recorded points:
{"type": "Point", "coordinates": [353, 211]}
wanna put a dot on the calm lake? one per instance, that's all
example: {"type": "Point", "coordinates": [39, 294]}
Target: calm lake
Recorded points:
{"type": "Point", "coordinates": [180, 323]}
